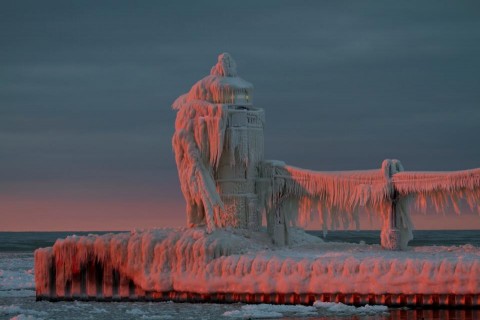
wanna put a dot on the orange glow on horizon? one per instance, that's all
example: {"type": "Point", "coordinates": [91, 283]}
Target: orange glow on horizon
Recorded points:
{"type": "Point", "coordinates": [47, 214]}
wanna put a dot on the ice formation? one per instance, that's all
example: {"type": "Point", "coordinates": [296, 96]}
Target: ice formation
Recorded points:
{"type": "Point", "coordinates": [268, 311]}
{"type": "Point", "coordinates": [218, 144]}
{"type": "Point", "coordinates": [218, 140]}
{"type": "Point", "coordinates": [196, 265]}
{"type": "Point", "coordinates": [230, 188]}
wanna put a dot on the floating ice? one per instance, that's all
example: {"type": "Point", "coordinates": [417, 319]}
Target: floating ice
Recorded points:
{"type": "Point", "coordinates": [340, 308]}
{"type": "Point", "coordinates": [21, 313]}
{"type": "Point", "coordinates": [319, 308]}
{"type": "Point", "coordinates": [16, 275]}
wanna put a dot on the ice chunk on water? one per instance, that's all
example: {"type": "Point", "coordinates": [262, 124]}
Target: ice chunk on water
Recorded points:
{"type": "Point", "coordinates": [350, 310]}
{"type": "Point", "coordinates": [21, 313]}
{"type": "Point", "coordinates": [262, 311]}
{"type": "Point", "coordinates": [318, 308]}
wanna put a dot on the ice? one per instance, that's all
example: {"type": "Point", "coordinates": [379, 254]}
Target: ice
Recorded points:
{"type": "Point", "coordinates": [253, 313]}
{"type": "Point", "coordinates": [21, 313]}
{"type": "Point", "coordinates": [135, 311]}
{"type": "Point", "coordinates": [319, 308]}
{"type": "Point", "coordinates": [218, 145]}
{"type": "Point", "coordinates": [203, 134]}
{"type": "Point", "coordinates": [262, 311]}
{"type": "Point", "coordinates": [297, 194]}
{"type": "Point", "coordinates": [16, 293]}
{"type": "Point", "coordinates": [340, 308]}
{"type": "Point", "coordinates": [25, 317]}
{"type": "Point", "coordinates": [98, 310]}
{"type": "Point", "coordinates": [441, 188]}
{"type": "Point", "coordinates": [16, 275]}
{"type": "Point", "coordinates": [163, 316]}
{"type": "Point", "coordinates": [230, 189]}
{"type": "Point", "coordinates": [241, 261]}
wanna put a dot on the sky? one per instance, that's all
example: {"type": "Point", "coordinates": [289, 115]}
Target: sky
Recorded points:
{"type": "Point", "coordinates": [86, 90]}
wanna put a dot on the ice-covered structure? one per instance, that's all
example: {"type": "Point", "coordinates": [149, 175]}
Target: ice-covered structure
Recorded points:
{"type": "Point", "coordinates": [218, 144]}
{"type": "Point", "coordinates": [240, 265]}
{"type": "Point", "coordinates": [225, 256]}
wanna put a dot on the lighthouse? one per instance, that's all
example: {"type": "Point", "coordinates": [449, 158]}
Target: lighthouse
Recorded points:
{"type": "Point", "coordinates": [219, 151]}
{"type": "Point", "coordinates": [243, 149]}
{"type": "Point", "coordinates": [219, 144]}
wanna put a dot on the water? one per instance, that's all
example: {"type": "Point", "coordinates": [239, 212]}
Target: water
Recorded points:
{"type": "Point", "coordinates": [17, 292]}
{"type": "Point", "coordinates": [420, 237]}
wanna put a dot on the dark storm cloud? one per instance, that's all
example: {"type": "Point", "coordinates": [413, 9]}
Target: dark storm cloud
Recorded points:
{"type": "Point", "coordinates": [86, 87]}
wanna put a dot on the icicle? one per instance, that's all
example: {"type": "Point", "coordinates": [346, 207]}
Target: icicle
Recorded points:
{"type": "Point", "coordinates": [442, 188]}
{"type": "Point", "coordinates": [198, 145]}
{"type": "Point", "coordinates": [332, 194]}
{"type": "Point", "coordinates": [199, 139]}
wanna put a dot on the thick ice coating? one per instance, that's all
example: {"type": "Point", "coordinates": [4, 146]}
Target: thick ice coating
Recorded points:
{"type": "Point", "coordinates": [230, 188]}
{"type": "Point", "coordinates": [298, 194]}
{"type": "Point", "coordinates": [240, 261]}
{"type": "Point", "coordinates": [218, 144]}
{"type": "Point", "coordinates": [205, 128]}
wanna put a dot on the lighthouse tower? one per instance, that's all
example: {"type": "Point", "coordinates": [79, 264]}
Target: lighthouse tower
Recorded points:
{"type": "Point", "coordinates": [218, 144]}
{"type": "Point", "coordinates": [243, 149]}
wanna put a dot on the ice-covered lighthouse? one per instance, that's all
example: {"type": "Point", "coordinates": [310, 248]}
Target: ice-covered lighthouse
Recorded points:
{"type": "Point", "coordinates": [230, 189]}
{"type": "Point", "coordinates": [219, 150]}
{"type": "Point", "coordinates": [218, 144]}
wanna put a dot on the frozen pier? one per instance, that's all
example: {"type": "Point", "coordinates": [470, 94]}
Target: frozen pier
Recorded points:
{"type": "Point", "coordinates": [227, 256]}
{"type": "Point", "coordinates": [242, 266]}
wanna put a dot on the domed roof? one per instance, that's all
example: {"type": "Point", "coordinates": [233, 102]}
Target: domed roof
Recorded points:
{"type": "Point", "coordinates": [222, 85]}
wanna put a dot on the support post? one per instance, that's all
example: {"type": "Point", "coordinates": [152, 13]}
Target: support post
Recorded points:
{"type": "Point", "coordinates": [393, 233]}
{"type": "Point", "coordinates": [391, 237]}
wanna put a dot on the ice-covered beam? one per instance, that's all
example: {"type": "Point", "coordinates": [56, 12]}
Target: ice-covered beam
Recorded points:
{"type": "Point", "coordinates": [441, 189]}
{"type": "Point", "coordinates": [294, 195]}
